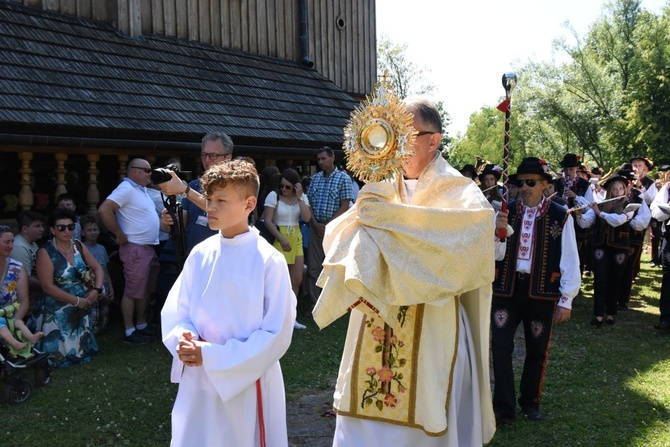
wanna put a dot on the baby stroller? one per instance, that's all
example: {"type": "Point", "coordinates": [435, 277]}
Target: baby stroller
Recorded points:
{"type": "Point", "coordinates": [14, 367]}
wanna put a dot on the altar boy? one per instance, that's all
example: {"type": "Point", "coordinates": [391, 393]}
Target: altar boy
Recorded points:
{"type": "Point", "coordinates": [227, 321]}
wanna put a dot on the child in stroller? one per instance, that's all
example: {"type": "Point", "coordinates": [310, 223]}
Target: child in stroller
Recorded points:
{"type": "Point", "coordinates": [18, 353]}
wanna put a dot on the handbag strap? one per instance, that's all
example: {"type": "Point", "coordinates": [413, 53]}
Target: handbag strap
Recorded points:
{"type": "Point", "coordinates": [79, 249]}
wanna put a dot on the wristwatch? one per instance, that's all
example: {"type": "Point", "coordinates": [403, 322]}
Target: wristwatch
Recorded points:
{"type": "Point", "coordinates": [98, 289]}
{"type": "Point", "coordinates": [184, 195]}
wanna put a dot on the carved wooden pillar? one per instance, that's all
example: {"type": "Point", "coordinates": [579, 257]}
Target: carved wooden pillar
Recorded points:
{"type": "Point", "coordinates": [93, 195]}
{"type": "Point", "coordinates": [60, 174]}
{"type": "Point", "coordinates": [123, 162]}
{"type": "Point", "coordinates": [26, 192]}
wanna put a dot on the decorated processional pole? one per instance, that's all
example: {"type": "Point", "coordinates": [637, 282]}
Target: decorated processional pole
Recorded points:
{"type": "Point", "coordinates": [508, 82]}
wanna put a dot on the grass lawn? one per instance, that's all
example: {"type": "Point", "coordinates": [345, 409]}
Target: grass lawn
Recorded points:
{"type": "Point", "coordinates": [607, 386]}
{"type": "Point", "coordinates": [604, 387]}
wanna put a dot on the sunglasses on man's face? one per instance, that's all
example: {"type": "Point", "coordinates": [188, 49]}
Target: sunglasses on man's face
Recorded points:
{"type": "Point", "coordinates": [528, 181]}
{"type": "Point", "coordinates": [62, 227]}
{"type": "Point", "coordinates": [146, 170]}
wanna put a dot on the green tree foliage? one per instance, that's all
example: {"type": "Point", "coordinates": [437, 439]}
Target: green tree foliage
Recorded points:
{"type": "Point", "coordinates": [407, 77]}
{"type": "Point", "coordinates": [607, 99]}
{"type": "Point", "coordinates": [647, 116]}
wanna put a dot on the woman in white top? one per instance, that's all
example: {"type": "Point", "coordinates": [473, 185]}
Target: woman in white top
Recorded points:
{"type": "Point", "coordinates": [282, 212]}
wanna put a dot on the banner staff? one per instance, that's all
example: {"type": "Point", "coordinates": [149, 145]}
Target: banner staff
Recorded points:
{"type": "Point", "coordinates": [509, 82]}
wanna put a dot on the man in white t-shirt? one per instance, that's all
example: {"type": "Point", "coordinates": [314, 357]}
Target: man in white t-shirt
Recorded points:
{"type": "Point", "coordinates": [129, 213]}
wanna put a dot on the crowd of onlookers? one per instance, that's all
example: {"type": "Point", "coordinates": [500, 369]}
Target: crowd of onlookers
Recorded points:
{"type": "Point", "coordinates": [60, 269]}
{"type": "Point", "coordinates": [48, 264]}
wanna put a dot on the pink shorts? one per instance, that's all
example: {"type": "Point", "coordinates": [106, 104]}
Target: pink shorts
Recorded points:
{"type": "Point", "coordinates": [140, 269]}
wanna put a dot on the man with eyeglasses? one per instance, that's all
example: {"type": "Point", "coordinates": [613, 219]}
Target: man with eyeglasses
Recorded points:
{"type": "Point", "coordinates": [413, 264]}
{"type": "Point", "coordinates": [217, 147]}
{"type": "Point", "coordinates": [536, 278]}
{"type": "Point", "coordinates": [129, 213]}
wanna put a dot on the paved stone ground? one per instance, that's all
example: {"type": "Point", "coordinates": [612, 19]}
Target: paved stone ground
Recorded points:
{"type": "Point", "coordinates": [311, 421]}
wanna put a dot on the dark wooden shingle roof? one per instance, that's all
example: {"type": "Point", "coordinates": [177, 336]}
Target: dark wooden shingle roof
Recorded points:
{"type": "Point", "coordinates": [67, 76]}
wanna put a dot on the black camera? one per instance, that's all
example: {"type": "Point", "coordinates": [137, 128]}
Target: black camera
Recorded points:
{"type": "Point", "coordinates": [162, 175]}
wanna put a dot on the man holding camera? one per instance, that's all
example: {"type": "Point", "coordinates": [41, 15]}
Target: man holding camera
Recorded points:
{"type": "Point", "coordinates": [216, 148]}
{"type": "Point", "coordinates": [129, 213]}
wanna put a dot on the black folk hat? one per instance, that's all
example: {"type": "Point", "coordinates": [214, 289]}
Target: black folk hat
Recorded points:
{"type": "Point", "coordinates": [534, 165]}
{"type": "Point", "coordinates": [490, 169]}
{"type": "Point", "coordinates": [571, 161]}
{"type": "Point", "coordinates": [617, 178]}
{"type": "Point", "coordinates": [649, 163]}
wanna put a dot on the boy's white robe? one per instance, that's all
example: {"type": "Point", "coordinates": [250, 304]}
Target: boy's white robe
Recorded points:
{"type": "Point", "coordinates": [235, 294]}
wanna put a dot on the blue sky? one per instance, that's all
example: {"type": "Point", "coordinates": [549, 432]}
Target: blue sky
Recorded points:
{"type": "Point", "coordinates": [468, 45]}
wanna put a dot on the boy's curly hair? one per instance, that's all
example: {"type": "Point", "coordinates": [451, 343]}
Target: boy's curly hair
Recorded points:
{"type": "Point", "coordinates": [236, 172]}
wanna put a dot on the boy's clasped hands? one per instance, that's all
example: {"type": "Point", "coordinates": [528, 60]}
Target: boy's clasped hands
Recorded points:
{"type": "Point", "coordinates": [188, 348]}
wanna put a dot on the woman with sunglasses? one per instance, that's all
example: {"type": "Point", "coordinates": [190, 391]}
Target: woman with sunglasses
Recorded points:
{"type": "Point", "coordinates": [13, 290]}
{"type": "Point", "coordinates": [282, 214]}
{"type": "Point", "coordinates": [61, 267]}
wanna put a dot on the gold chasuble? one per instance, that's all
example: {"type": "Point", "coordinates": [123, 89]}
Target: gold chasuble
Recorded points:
{"type": "Point", "coordinates": [406, 271]}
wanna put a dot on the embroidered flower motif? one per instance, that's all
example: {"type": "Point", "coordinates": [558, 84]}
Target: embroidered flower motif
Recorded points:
{"type": "Point", "coordinates": [379, 334]}
{"type": "Point", "coordinates": [381, 379]}
{"type": "Point", "coordinates": [385, 374]}
{"type": "Point", "coordinates": [555, 229]}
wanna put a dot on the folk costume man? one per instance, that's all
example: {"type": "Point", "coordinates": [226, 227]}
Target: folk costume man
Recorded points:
{"type": "Point", "coordinates": [636, 228]}
{"type": "Point", "coordinates": [413, 262]}
{"type": "Point", "coordinates": [660, 210]}
{"type": "Point", "coordinates": [647, 186]}
{"type": "Point", "coordinates": [536, 279]}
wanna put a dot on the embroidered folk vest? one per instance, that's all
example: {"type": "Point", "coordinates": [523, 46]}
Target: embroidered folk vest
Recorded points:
{"type": "Point", "coordinates": [545, 275]}
{"type": "Point", "coordinates": [607, 235]}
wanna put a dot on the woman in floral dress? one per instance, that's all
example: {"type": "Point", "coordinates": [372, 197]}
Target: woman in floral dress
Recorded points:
{"type": "Point", "coordinates": [61, 269]}
{"type": "Point", "coordinates": [14, 302]}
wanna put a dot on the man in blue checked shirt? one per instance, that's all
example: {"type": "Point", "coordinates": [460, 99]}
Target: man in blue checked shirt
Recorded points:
{"type": "Point", "coordinates": [329, 195]}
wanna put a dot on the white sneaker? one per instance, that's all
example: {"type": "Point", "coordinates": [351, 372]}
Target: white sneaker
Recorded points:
{"type": "Point", "coordinates": [297, 325]}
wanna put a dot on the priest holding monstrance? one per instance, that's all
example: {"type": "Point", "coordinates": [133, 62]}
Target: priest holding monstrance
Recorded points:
{"type": "Point", "coordinates": [413, 262]}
